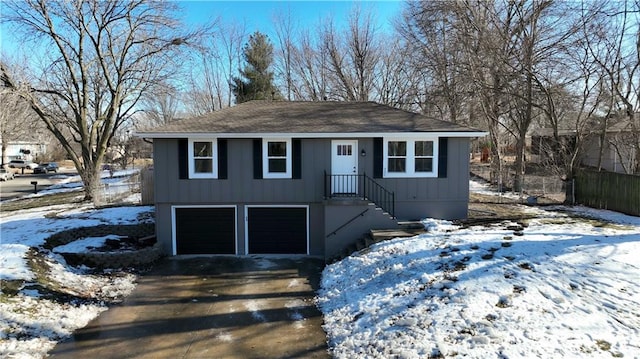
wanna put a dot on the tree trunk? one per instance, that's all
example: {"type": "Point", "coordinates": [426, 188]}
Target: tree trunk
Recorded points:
{"type": "Point", "coordinates": [519, 163]}
{"type": "Point", "coordinates": [4, 159]}
{"type": "Point", "coordinates": [92, 184]}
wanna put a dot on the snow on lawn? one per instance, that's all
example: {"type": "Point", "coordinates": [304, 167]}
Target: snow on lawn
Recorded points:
{"type": "Point", "coordinates": [113, 185]}
{"type": "Point", "coordinates": [561, 287]}
{"type": "Point", "coordinates": [30, 228]}
{"type": "Point", "coordinates": [486, 189]}
{"type": "Point", "coordinates": [33, 317]}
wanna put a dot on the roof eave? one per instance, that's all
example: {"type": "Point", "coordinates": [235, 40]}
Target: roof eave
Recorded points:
{"type": "Point", "coordinates": [195, 135]}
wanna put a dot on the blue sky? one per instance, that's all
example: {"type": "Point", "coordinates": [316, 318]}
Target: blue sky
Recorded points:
{"type": "Point", "coordinates": [258, 15]}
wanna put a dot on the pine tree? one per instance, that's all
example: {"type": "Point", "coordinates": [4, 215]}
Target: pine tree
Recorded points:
{"type": "Point", "coordinates": [256, 81]}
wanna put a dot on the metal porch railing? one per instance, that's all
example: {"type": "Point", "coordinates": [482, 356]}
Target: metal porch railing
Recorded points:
{"type": "Point", "coordinates": [359, 186]}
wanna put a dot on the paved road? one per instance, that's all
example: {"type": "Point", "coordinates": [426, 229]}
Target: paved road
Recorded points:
{"type": "Point", "coordinates": [21, 185]}
{"type": "Point", "coordinates": [211, 307]}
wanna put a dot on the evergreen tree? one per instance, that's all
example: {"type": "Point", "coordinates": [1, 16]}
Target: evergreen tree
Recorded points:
{"type": "Point", "coordinates": [256, 81]}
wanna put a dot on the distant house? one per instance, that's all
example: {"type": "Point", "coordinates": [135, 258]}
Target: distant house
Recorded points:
{"type": "Point", "coordinates": [24, 150]}
{"type": "Point", "coordinates": [618, 150]}
{"type": "Point", "coordinates": [543, 144]}
{"type": "Point", "coordinates": [302, 177]}
{"type": "Point", "coordinates": [615, 152]}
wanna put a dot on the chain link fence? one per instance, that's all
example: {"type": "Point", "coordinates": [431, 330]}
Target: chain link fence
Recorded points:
{"type": "Point", "coordinates": [535, 186]}
{"type": "Point", "coordinates": [120, 189]}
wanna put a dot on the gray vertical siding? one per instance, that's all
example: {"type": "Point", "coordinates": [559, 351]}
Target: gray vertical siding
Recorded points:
{"type": "Point", "coordinates": [240, 185]}
{"type": "Point", "coordinates": [416, 198]}
{"type": "Point", "coordinates": [316, 158]}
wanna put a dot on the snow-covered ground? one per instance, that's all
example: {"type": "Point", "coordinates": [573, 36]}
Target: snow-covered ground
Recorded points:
{"type": "Point", "coordinates": [566, 285]}
{"type": "Point", "coordinates": [32, 316]}
{"type": "Point", "coordinates": [112, 185]}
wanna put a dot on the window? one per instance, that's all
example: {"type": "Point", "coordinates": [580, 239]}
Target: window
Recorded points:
{"type": "Point", "coordinates": [397, 156]}
{"type": "Point", "coordinates": [423, 156]}
{"type": "Point", "coordinates": [202, 159]}
{"type": "Point", "coordinates": [277, 158]}
{"type": "Point", "coordinates": [345, 150]}
{"type": "Point", "coordinates": [410, 158]}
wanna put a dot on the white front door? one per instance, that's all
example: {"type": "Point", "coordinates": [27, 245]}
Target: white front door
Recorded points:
{"type": "Point", "coordinates": [344, 166]}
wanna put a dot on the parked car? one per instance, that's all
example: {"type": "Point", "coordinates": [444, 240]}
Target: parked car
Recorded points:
{"type": "Point", "coordinates": [5, 175]}
{"type": "Point", "coordinates": [46, 167]}
{"type": "Point", "coordinates": [22, 164]}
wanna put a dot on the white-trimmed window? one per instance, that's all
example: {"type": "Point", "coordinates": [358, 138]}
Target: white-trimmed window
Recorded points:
{"type": "Point", "coordinates": [276, 159]}
{"type": "Point", "coordinates": [423, 155]}
{"type": "Point", "coordinates": [203, 158]}
{"type": "Point", "coordinates": [410, 157]}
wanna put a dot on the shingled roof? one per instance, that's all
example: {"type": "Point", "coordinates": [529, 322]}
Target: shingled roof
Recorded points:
{"type": "Point", "coordinates": [304, 117]}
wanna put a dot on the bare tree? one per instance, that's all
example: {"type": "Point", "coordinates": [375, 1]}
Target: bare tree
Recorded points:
{"type": "Point", "coordinates": [570, 109]}
{"type": "Point", "coordinates": [396, 82]}
{"type": "Point", "coordinates": [102, 58]}
{"type": "Point", "coordinates": [429, 33]}
{"type": "Point", "coordinates": [160, 106]}
{"type": "Point", "coordinates": [285, 28]}
{"type": "Point", "coordinates": [352, 58]}
{"type": "Point", "coordinates": [616, 49]}
{"type": "Point", "coordinates": [309, 69]}
{"type": "Point", "coordinates": [215, 64]}
{"type": "Point", "coordinates": [491, 56]}
{"type": "Point", "coordinates": [208, 89]}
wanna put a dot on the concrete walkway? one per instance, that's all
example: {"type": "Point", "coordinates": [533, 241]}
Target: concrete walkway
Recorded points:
{"type": "Point", "coordinates": [211, 307]}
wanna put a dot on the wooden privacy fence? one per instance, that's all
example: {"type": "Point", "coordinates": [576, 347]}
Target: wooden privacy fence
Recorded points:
{"type": "Point", "coordinates": [608, 190]}
{"type": "Point", "coordinates": [146, 186]}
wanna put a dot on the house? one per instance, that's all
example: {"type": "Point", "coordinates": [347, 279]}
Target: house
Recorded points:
{"type": "Point", "coordinates": [302, 177]}
{"type": "Point", "coordinates": [617, 153]}
{"type": "Point", "coordinates": [546, 149]}
{"type": "Point", "coordinates": [613, 150]}
{"type": "Point", "coordinates": [23, 150]}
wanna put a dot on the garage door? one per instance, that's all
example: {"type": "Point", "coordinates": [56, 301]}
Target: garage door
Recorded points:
{"type": "Point", "coordinates": [204, 230]}
{"type": "Point", "coordinates": [281, 230]}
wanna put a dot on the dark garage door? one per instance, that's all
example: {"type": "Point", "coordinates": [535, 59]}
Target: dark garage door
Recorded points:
{"type": "Point", "coordinates": [205, 230]}
{"type": "Point", "coordinates": [277, 230]}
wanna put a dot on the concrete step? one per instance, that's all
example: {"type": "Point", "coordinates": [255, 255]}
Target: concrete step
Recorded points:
{"type": "Point", "coordinates": [368, 240]}
{"type": "Point", "coordinates": [384, 234]}
{"type": "Point", "coordinates": [410, 225]}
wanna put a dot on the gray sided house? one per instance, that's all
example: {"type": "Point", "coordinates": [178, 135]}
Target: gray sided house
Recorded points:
{"type": "Point", "coordinates": [271, 177]}
{"type": "Point", "coordinates": [613, 150]}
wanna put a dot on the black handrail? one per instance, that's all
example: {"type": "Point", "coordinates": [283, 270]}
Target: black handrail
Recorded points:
{"type": "Point", "coordinates": [347, 223]}
{"type": "Point", "coordinates": [359, 186]}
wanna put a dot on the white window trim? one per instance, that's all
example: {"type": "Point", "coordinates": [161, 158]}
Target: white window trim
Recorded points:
{"type": "Point", "coordinates": [214, 166]}
{"type": "Point", "coordinates": [410, 158]}
{"type": "Point", "coordinates": [265, 158]}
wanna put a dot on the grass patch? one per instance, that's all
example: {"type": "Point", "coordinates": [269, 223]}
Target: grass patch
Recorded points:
{"type": "Point", "coordinates": [9, 288]}
{"type": "Point", "coordinates": [595, 222]}
{"type": "Point", "coordinates": [48, 288]}
{"type": "Point", "coordinates": [526, 266]}
{"type": "Point", "coordinates": [42, 201]}
{"type": "Point", "coordinates": [504, 302]}
{"type": "Point", "coordinates": [603, 345]}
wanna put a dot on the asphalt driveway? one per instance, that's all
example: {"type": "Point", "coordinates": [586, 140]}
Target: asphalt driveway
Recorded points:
{"type": "Point", "coordinates": [211, 307]}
